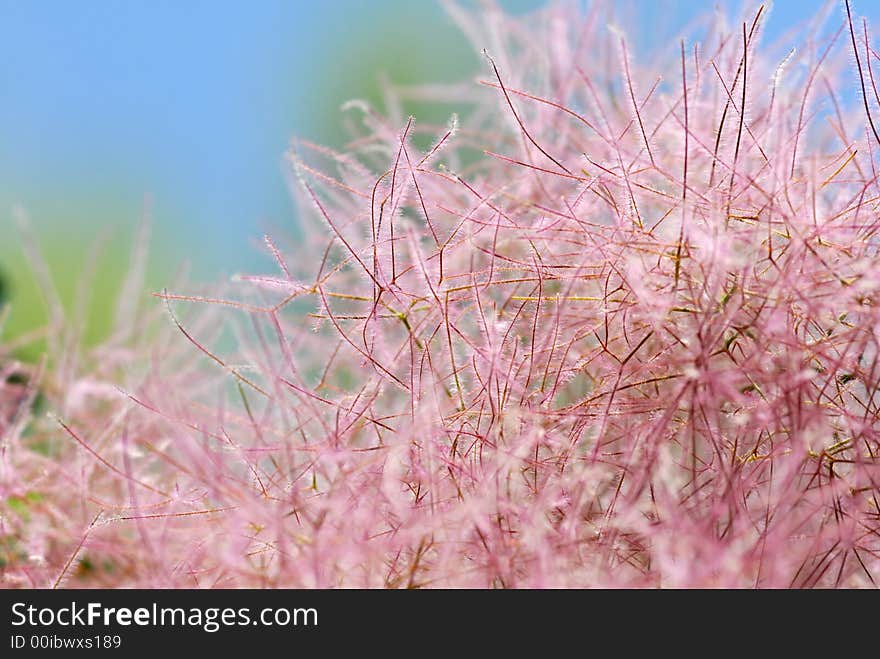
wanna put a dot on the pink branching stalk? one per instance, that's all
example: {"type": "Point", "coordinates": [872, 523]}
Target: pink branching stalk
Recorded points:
{"type": "Point", "coordinates": [619, 328]}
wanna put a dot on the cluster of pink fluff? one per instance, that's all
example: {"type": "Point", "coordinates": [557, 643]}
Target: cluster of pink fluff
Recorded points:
{"type": "Point", "coordinates": [619, 328]}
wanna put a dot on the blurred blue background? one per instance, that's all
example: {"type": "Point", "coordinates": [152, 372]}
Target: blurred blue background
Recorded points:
{"type": "Point", "coordinates": [192, 104]}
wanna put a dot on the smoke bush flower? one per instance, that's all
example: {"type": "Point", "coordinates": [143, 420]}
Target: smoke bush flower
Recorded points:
{"type": "Point", "coordinates": [617, 326]}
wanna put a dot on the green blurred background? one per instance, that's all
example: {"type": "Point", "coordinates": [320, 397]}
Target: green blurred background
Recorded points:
{"type": "Point", "coordinates": [187, 107]}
